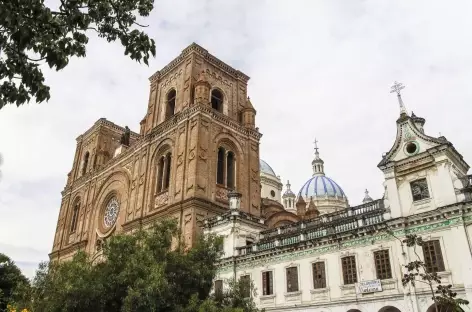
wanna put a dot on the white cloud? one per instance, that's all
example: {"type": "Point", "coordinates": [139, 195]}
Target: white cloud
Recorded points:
{"type": "Point", "coordinates": [318, 69]}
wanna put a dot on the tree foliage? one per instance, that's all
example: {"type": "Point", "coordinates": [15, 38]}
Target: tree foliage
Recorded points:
{"type": "Point", "coordinates": [14, 286]}
{"type": "Point", "coordinates": [416, 272]}
{"type": "Point", "coordinates": [32, 34]}
{"type": "Point", "coordinates": [138, 272]}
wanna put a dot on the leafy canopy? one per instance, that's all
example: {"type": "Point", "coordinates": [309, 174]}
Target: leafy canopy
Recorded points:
{"type": "Point", "coordinates": [14, 286]}
{"type": "Point", "coordinates": [138, 272]}
{"type": "Point", "coordinates": [32, 34]}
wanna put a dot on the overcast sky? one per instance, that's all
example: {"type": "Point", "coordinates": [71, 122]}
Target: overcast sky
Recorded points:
{"type": "Point", "coordinates": [318, 69]}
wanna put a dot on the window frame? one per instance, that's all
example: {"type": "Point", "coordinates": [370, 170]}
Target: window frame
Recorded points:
{"type": "Point", "coordinates": [224, 166]}
{"type": "Point", "coordinates": [297, 267]}
{"type": "Point", "coordinates": [272, 274]}
{"type": "Point", "coordinates": [222, 287]}
{"type": "Point", "coordinates": [222, 99]}
{"type": "Point", "coordinates": [85, 163]}
{"type": "Point", "coordinates": [343, 280]}
{"type": "Point", "coordinates": [312, 267]}
{"type": "Point", "coordinates": [163, 171]}
{"type": "Point", "coordinates": [74, 221]}
{"type": "Point", "coordinates": [441, 253]}
{"type": "Point", "coordinates": [168, 103]}
{"type": "Point", "coordinates": [250, 279]}
{"type": "Point", "coordinates": [374, 252]}
{"type": "Point", "coordinates": [411, 189]}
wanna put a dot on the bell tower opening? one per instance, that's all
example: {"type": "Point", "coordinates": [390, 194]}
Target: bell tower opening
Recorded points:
{"type": "Point", "coordinates": [217, 100]}
{"type": "Point", "coordinates": [170, 107]}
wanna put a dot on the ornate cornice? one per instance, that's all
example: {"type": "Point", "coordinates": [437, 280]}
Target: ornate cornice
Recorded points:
{"type": "Point", "coordinates": [109, 125]}
{"type": "Point", "coordinates": [197, 49]}
{"type": "Point", "coordinates": [68, 249]}
{"type": "Point", "coordinates": [271, 181]}
{"type": "Point", "coordinates": [196, 109]}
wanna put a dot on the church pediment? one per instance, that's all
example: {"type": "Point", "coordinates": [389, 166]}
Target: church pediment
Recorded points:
{"type": "Point", "coordinates": [410, 141]}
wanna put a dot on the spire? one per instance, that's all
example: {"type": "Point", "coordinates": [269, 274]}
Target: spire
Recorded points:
{"type": "Point", "coordinates": [288, 192]}
{"type": "Point", "coordinates": [317, 163]}
{"type": "Point", "coordinates": [301, 206]}
{"type": "Point", "coordinates": [396, 88]}
{"type": "Point", "coordinates": [367, 198]}
{"type": "Point", "coordinates": [312, 211]}
{"type": "Point", "coordinates": [249, 103]}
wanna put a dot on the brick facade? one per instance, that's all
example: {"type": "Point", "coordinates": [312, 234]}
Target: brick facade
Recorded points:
{"type": "Point", "coordinates": [105, 169]}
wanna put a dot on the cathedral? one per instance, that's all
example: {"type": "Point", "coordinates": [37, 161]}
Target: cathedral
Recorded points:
{"type": "Point", "coordinates": [196, 160]}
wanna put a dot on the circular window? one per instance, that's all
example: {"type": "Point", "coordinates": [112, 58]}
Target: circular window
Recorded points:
{"type": "Point", "coordinates": [272, 193]}
{"type": "Point", "coordinates": [111, 212]}
{"type": "Point", "coordinates": [411, 148]}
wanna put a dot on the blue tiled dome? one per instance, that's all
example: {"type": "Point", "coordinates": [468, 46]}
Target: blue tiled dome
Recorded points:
{"type": "Point", "coordinates": [320, 186]}
{"type": "Point", "coordinates": [265, 168]}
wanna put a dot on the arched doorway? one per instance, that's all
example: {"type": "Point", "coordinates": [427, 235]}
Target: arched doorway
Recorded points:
{"type": "Point", "coordinates": [389, 309]}
{"type": "Point", "coordinates": [354, 310]}
{"type": "Point", "coordinates": [443, 308]}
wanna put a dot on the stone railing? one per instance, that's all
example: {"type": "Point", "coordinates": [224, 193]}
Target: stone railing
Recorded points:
{"type": "Point", "coordinates": [324, 226]}
{"type": "Point", "coordinates": [339, 217]}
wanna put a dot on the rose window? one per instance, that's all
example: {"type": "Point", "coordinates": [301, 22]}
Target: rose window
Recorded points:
{"type": "Point", "coordinates": [111, 212]}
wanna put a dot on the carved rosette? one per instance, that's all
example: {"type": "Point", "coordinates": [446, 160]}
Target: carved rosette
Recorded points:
{"type": "Point", "coordinates": [161, 200]}
{"type": "Point", "coordinates": [221, 194]}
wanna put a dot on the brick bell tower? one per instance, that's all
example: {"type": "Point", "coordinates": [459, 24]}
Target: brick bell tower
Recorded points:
{"type": "Point", "coordinates": [201, 128]}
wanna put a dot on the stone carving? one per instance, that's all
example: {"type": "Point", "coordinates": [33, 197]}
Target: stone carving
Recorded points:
{"type": "Point", "coordinates": [203, 154]}
{"type": "Point", "coordinates": [161, 200]}
{"type": "Point", "coordinates": [125, 137]}
{"type": "Point", "coordinates": [189, 188]}
{"type": "Point", "coordinates": [221, 194]}
{"type": "Point", "coordinates": [180, 160]}
{"type": "Point", "coordinates": [254, 175]}
{"type": "Point", "coordinates": [191, 155]}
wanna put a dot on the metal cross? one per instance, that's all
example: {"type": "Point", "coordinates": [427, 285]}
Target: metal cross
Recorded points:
{"type": "Point", "coordinates": [316, 145]}
{"type": "Point", "coordinates": [397, 87]}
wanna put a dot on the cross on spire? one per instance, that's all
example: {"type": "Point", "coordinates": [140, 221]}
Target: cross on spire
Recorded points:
{"type": "Point", "coordinates": [397, 88]}
{"type": "Point", "coordinates": [316, 146]}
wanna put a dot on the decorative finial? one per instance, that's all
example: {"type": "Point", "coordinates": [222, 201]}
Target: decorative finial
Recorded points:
{"type": "Point", "coordinates": [288, 185]}
{"type": "Point", "coordinates": [316, 147]}
{"type": "Point", "coordinates": [396, 88]}
{"type": "Point", "coordinates": [367, 198]}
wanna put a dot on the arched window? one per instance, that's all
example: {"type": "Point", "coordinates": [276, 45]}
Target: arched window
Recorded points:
{"type": "Point", "coordinates": [170, 107]}
{"type": "Point", "coordinates": [220, 170]}
{"type": "Point", "coordinates": [167, 175]}
{"type": "Point", "coordinates": [217, 100]}
{"type": "Point", "coordinates": [75, 216]}
{"type": "Point", "coordinates": [85, 164]}
{"type": "Point", "coordinates": [230, 166]}
{"type": "Point", "coordinates": [163, 173]}
{"type": "Point", "coordinates": [160, 174]}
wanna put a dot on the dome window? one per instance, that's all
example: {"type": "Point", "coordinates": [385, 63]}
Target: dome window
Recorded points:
{"type": "Point", "coordinates": [272, 193]}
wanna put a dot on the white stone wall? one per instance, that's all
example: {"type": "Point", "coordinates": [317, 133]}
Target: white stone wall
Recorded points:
{"type": "Point", "coordinates": [271, 183]}
{"type": "Point", "coordinates": [339, 297]}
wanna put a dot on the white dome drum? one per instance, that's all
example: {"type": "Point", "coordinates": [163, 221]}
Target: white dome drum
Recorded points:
{"type": "Point", "coordinates": [271, 186]}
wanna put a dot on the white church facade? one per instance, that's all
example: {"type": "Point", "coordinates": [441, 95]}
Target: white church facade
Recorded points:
{"type": "Point", "coordinates": [343, 258]}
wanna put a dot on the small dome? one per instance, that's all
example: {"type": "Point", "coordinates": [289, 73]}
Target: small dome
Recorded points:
{"type": "Point", "coordinates": [288, 191]}
{"type": "Point", "coordinates": [320, 186]}
{"type": "Point", "coordinates": [265, 168]}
